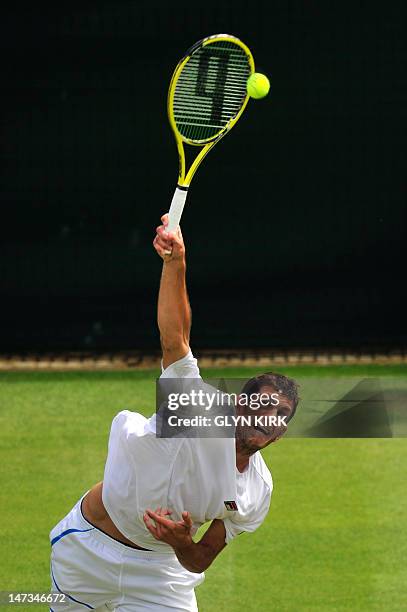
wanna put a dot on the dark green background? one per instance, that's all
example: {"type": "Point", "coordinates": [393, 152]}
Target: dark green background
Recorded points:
{"type": "Point", "coordinates": [295, 224]}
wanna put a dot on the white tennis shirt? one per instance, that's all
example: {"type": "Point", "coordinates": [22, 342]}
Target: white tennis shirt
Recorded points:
{"type": "Point", "coordinates": [197, 475]}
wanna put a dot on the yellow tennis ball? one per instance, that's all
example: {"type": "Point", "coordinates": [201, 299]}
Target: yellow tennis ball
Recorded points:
{"type": "Point", "coordinates": [258, 85]}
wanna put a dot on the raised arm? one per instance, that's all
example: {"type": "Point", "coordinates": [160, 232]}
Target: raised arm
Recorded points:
{"type": "Point", "coordinates": [174, 312]}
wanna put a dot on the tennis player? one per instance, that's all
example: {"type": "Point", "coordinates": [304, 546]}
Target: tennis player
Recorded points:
{"type": "Point", "coordinates": [127, 545]}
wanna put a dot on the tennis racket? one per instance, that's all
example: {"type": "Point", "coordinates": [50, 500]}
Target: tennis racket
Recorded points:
{"type": "Point", "coordinates": [207, 96]}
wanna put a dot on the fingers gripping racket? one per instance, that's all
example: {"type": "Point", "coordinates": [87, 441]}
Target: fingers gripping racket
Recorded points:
{"type": "Point", "coordinates": [207, 96]}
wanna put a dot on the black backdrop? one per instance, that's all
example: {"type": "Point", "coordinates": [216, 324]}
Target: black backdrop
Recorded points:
{"type": "Point", "coordinates": [296, 221]}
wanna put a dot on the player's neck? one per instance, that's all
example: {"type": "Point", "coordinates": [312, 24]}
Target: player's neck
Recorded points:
{"type": "Point", "coordinates": [242, 463]}
{"type": "Point", "coordinates": [243, 455]}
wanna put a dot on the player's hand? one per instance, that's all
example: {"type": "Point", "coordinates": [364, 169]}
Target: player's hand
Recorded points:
{"type": "Point", "coordinates": [169, 245]}
{"type": "Point", "coordinates": [175, 533]}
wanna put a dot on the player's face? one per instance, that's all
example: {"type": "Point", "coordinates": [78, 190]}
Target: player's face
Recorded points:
{"type": "Point", "coordinates": [261, 432]}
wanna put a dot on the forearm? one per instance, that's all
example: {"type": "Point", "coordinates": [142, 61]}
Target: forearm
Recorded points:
{"type": "Point", "coordinates": [196, 557]}
{"type": "Point", "coordinates": [174, 312]}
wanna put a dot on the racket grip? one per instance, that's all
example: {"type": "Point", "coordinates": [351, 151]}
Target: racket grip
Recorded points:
{"type": "Point", "coordinates": [176, 208]}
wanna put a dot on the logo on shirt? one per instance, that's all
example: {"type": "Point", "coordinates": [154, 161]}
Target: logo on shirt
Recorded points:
{"type": "Point", "coordinates": [231, 505]}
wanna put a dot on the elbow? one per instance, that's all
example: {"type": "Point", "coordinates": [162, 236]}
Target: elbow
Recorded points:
{"type": "Point", "coordinates": [204, 559]}
{"type": "Point", "coordinates": [198, 571]}
{"type": "Point", "coordinates": [195, 568]}
{"type": "Point", "coordinates": [171, 343]}
{"type": "Point", "coordinates": [200, 559]}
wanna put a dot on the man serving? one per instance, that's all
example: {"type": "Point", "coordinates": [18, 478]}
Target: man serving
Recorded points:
{"type": "Point", "coordinates": [128, 545]}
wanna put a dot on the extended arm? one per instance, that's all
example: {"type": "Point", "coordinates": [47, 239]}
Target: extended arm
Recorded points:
{"type": "Point", "coordinates": [194, 556]}
{"type": "Point", "coordinates": [174, 312]}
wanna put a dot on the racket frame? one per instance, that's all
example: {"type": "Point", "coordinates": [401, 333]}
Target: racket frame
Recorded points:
{"type": "Point", "coordinates": [184, 179]}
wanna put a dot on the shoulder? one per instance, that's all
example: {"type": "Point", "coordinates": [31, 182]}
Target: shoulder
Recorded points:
{"type": "Point", "coordinates": [130, 423]}
{"type": "Point", "coordinates": [133, 433]}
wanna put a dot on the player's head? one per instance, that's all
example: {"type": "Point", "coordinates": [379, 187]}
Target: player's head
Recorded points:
{"type": "Point", "coordinates": [265, 396]}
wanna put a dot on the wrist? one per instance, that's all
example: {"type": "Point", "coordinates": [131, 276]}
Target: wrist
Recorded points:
{"type": "Point", "coordinates": [185, 546]}
{"type": "Point", "coordinates": [179, 263]}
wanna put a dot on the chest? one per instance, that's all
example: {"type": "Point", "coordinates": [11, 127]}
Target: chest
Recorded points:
{"type": "Point", "coordinates": [209, 494]}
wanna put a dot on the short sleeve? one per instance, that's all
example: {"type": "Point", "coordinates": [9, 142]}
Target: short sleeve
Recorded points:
{"type": "Point", "coordinates": [187, 367]}
{"type": "Point", "coordinates": [199, 401]}
{"type": "Point", "coordinates": [249, 522]}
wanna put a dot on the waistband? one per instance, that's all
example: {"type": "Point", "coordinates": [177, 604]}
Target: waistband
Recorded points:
{"type": "Point", "coordinates": [107, 540]}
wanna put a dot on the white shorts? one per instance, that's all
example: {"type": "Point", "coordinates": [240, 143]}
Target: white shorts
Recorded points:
{"type": "Point", "coordinates": [96, 571]}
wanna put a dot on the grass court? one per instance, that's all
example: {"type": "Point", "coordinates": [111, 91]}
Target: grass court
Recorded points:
{"type": "Point", "coordinates": [334, 539]}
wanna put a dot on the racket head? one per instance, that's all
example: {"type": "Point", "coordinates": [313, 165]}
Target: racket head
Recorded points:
{"type": "Point", "coordinates": [208, 91]}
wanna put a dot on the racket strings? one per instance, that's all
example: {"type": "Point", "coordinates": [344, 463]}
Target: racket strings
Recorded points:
{"type": "Point", "coordinates": [210, 90]}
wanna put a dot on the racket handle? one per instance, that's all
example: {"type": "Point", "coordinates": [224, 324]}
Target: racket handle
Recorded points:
{"type": "Point", "coordinates": [176, 208]}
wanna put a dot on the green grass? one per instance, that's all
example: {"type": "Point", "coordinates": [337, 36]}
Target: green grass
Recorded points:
{"type": "Point", "coordinates": [335, 535]}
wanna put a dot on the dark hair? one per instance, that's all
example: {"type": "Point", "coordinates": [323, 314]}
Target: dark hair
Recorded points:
{"type": "Point", "coordinates": [282, 384]}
